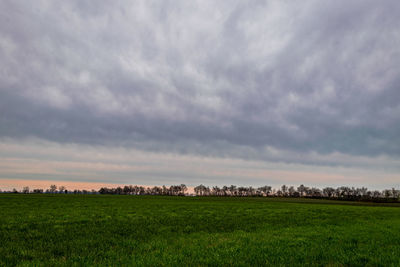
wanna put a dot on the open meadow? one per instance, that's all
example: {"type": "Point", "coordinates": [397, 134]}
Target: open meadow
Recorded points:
{"type": "Point", "coordinates": [68, 230]}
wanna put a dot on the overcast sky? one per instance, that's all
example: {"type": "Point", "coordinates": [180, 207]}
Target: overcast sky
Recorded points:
{"type": "Point", "coordinates": [214, 92]}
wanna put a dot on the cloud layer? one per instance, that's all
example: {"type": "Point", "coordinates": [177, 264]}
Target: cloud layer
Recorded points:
{"type": "Point", "coordinates": [33, 160]}
{"type": "Point", "coordinates": [310, 82]}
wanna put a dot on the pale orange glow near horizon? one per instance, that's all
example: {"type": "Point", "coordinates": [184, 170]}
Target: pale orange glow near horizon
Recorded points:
{"type": "Point", "coordinates": [10, 184]}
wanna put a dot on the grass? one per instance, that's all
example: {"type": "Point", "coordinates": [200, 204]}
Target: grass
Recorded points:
{"type": "Point", "coordinates": [76, 230]}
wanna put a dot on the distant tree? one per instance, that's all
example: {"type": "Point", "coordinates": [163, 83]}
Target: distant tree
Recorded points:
{"type": "Point", "coordinates": [265, 189]}
{"type": "Point", "coordinates": [376, 194]}
{"type": "Point", "coordinates": [156, 190]}
{"type": "Point", "coordinates": [242, 191]}
{"type": "Point", "coordinates": [250, 191]}
{"type": "Point", "coordinates": [196, 190]}
{"type": "Point", "coordinates": [119, 190]}
{"type": "Point", "coordinates": [344, 192]}
{"type": "Point", "coordinates": [363, 191]}
{"type": "Point", "coordinates": [233, 190]}
{"type": "Point", "coordinates": [207, 191]}
{"type": "Point", "coordinates": [183, 189]}
{"type": "Point", "coordinates": [25, 190]}
{"type": "Point", "coordinates": [104, 190]}
{"type": "Point", "coordinates": [301, 189]}
{"type": "Point", "coordinates": [279, 193]}
{"type": "Point", "coordinates": [316, 192]}
{"type": "Point", "coordinates": [147, 191]}
{"type": "Point", "coordinates": [328, 191]}
{"type": "Point", "coordinates": [164, 190]}
{"type": "Point", "coordinates": [127, 190]}
{"type": "Point", "coordinates": [216, 191]}
{"type": "Point", "coordinates": [201, 190]}
{"type": "Point", "coordinates": [53, 188]}
{"type": "Point", "coordinates": [387, 193]}
{"type": "Point", "coordinates": [395, 193]}
{"type": "Point", "coordinates": [308, 191]}
{"type": "Point", "coordinates": [224, 190]}
{"type": "Point", "coordinates": [62, 189]}
{"type": "Point", "coordinates": [284, 189]}
{"type": "Point", "coordinates": [291, 191]}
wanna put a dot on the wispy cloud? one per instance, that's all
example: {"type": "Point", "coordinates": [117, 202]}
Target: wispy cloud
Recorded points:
{"type": "Point", "coordinates": [54, 162]}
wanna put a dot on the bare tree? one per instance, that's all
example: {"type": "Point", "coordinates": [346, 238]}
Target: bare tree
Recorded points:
{"type": "Point", "coordinates": [233, 190]}
{"type": "Point", "coordinates": [225, 190]}
{"type": "Point", "coordinates": [387, 193]}
{"type": "Point", "coordinates": [216, 191]}
{"type": "Point", "coordinates": [395, 193]}
{"type": "Point", "coordinates": [183, 188]}
{"type": "Point", "coordinates": [127, 190]}
{"type": "Point", "coordinates": [53, 188]}
{"type": "Point", "coordinates": [284, 189]}
{"type": "Point", "coordinates": [62, 189]}
{"type": "Point", "coordinates": [251, 191]}
{"type": "Point", "coordinates": [376, 194]}
{"type": "Point", "coordinates": [291, 191]}
{"type": "Point", "coordinates": [201, 190]}
{"type": "Point", "coordinates": [265, 189]}
{"type": "Point", "coordinates": [301, 189]}
{"type": "Point", "coordinates": [328, 191]}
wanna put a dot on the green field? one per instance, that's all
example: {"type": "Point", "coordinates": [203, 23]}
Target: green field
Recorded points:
{"type": "Point", "coordinates": [67, 230]}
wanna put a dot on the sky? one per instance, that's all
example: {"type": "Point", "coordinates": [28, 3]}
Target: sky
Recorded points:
{"type": "Point", "coordinates": [216, 92]}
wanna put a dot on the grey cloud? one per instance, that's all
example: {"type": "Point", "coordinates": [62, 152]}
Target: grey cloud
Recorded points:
{"type": "Point", "coordinates": [223, 79]}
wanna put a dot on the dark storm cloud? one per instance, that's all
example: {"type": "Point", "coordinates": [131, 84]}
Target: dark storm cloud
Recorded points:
{"type": "Point", "coordinates": [227, 79]}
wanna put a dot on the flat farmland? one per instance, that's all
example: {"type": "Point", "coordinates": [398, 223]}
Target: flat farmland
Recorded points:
{"type": "Point", "coordinates": [76, 230]}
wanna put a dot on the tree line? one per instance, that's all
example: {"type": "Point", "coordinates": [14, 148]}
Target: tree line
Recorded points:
{"type": "Point", "coordinates": [342, 192]}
